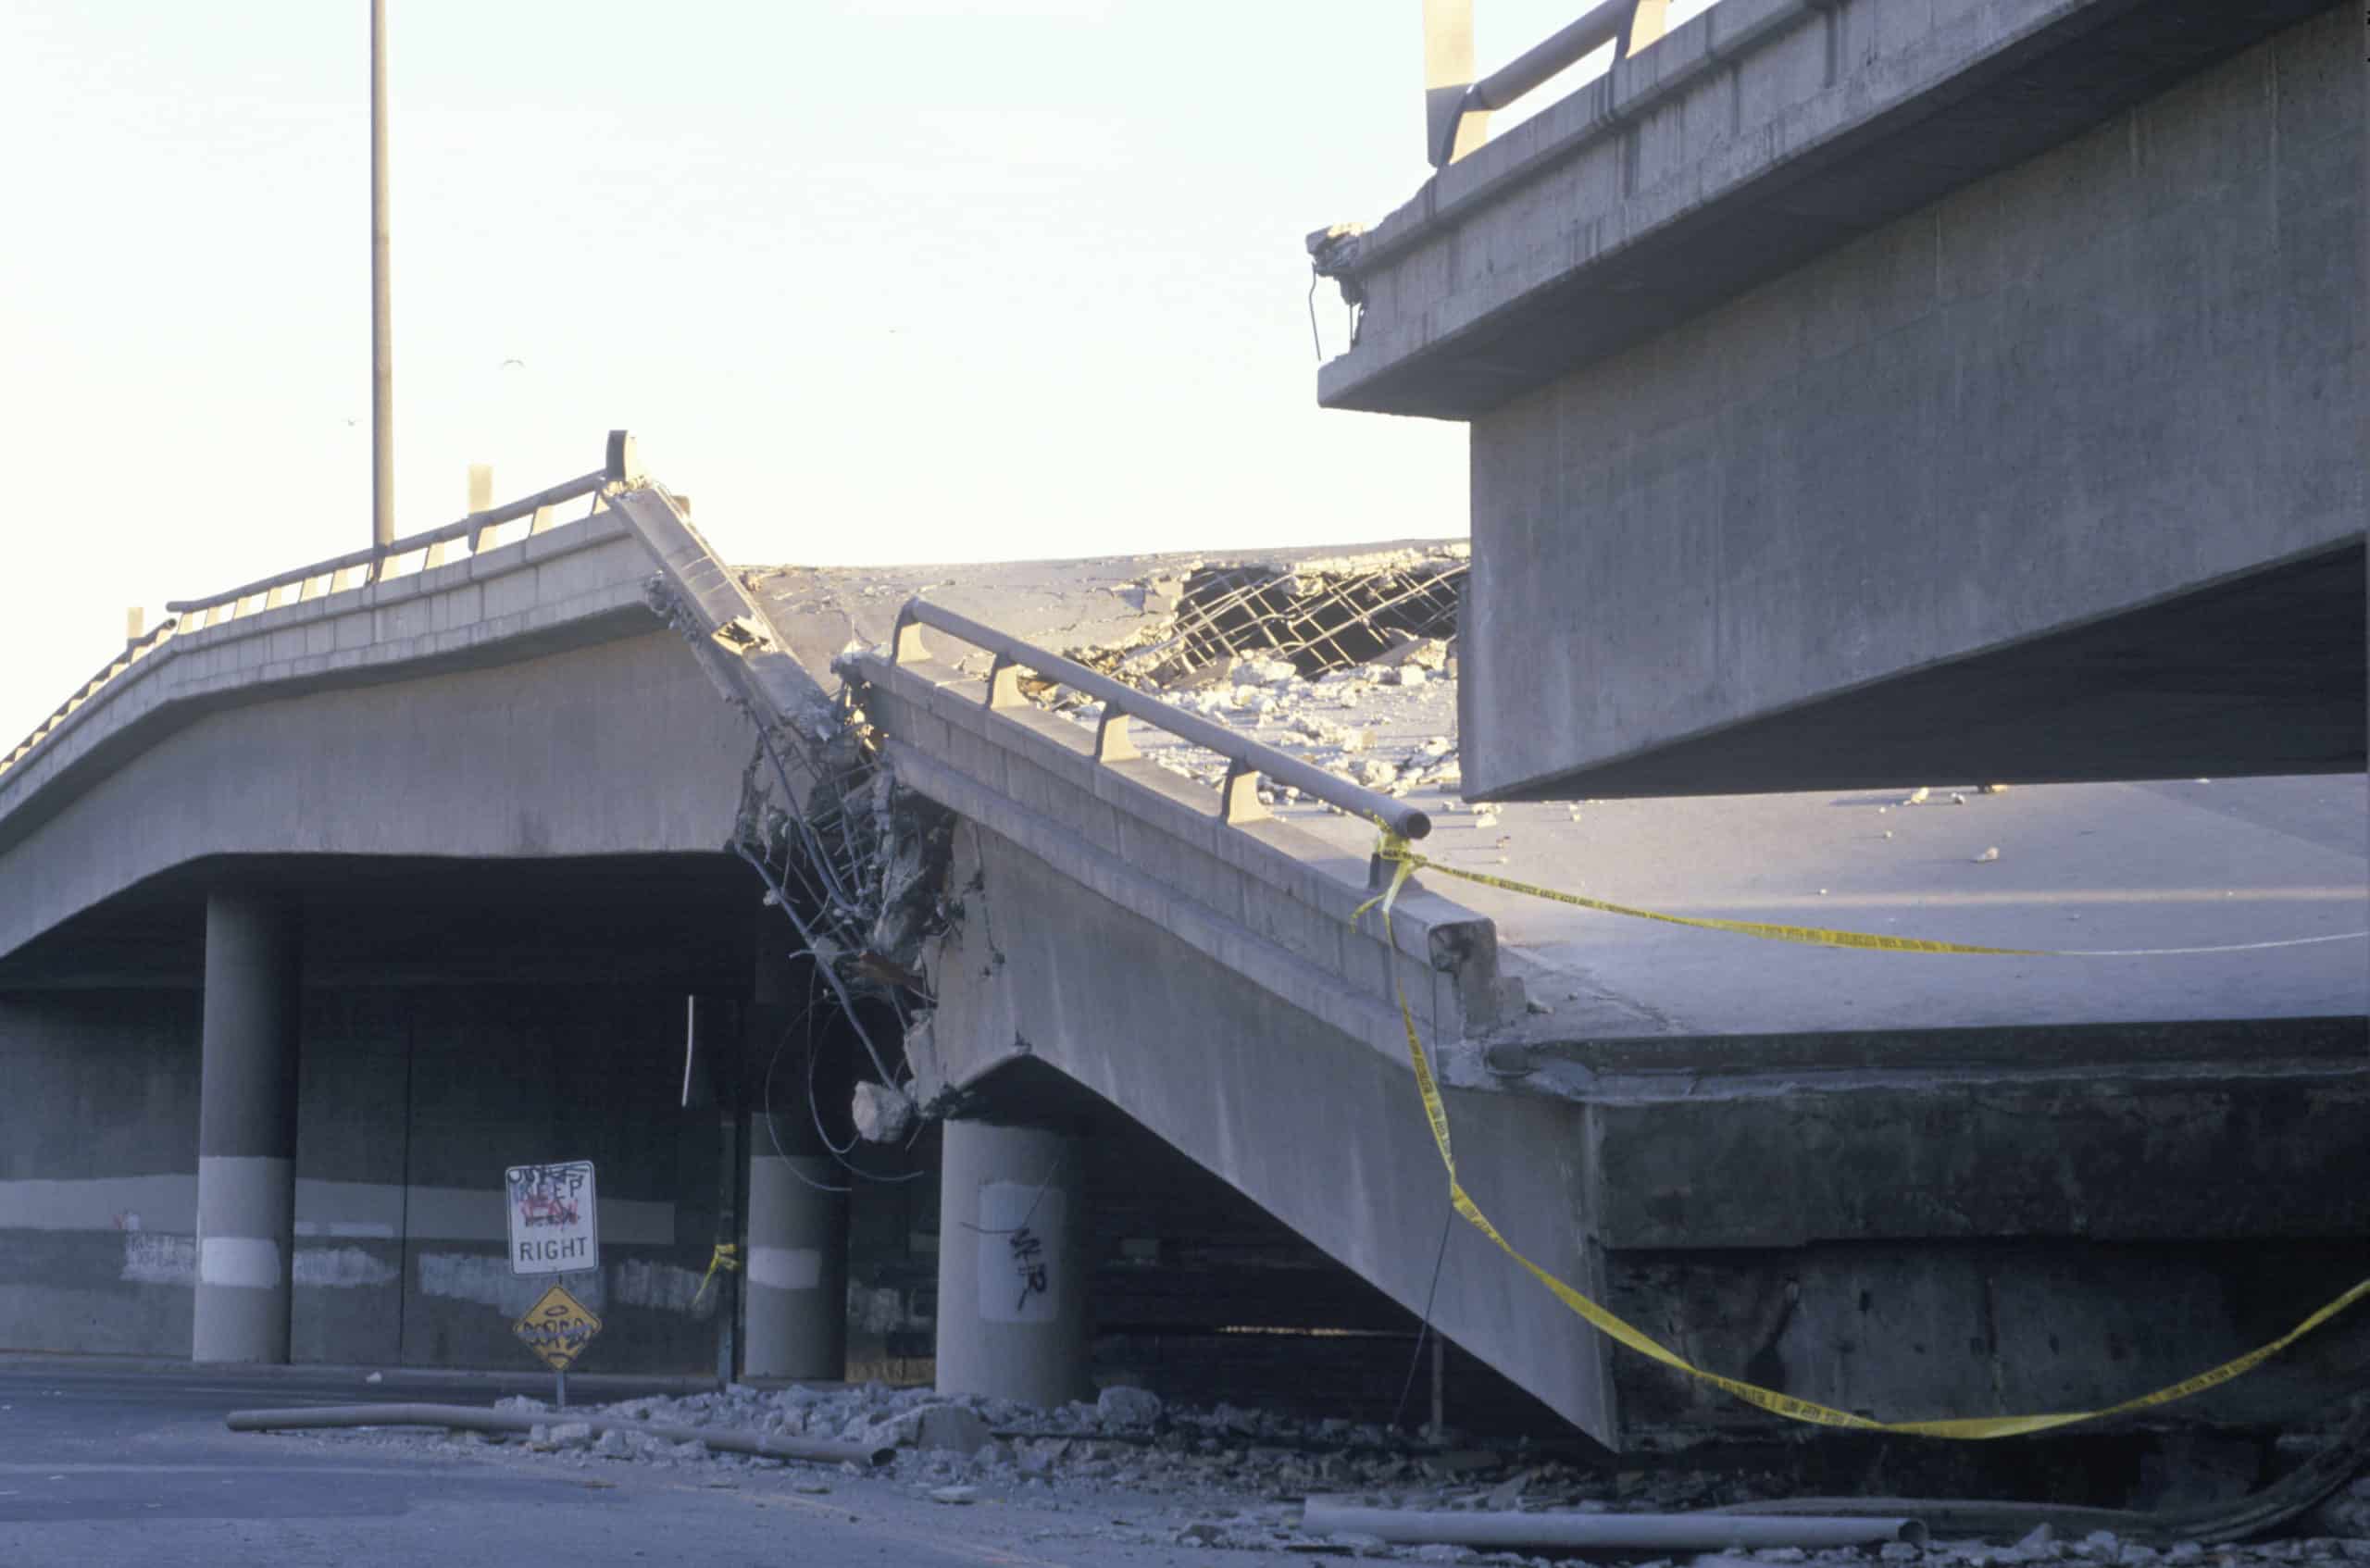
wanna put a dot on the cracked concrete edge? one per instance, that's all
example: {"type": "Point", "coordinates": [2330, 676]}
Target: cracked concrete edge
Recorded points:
{"type": "Point", "coordinates": [753, 666]}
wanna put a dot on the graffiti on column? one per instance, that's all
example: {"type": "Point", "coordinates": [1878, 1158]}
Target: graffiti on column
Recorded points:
{"type": "Point", "coordinates": [1021, 1234]}
{"type": "Point", "coordinates": [1029, 1263]}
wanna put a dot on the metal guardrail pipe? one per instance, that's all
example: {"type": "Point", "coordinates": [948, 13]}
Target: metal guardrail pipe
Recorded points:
{"type": "Point", "coordinates": [1604, 1531]}
{"type": "Point", "coordinates": [1599, 26]}
{"type": "Point", "coordinates": [1605, 22]}
{"type": "Point", "coordinates": [475, 523]}
{"type": "Point", "coordinates": [133, 648]}
{"type": "Point", "coordinates": [1120, 702]}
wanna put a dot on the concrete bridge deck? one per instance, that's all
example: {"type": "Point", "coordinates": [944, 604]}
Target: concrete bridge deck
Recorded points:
{"type": "Point", "coordinates": [2180, 864]}
{"type": "Point", "coordinates": [1668, 1106]}
{"type": "Point", "coordinates": [1893, 1185]}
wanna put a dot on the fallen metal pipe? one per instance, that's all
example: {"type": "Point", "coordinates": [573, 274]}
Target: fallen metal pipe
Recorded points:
{"type": "Point", "coordinates": [2301, 1489]}
{"type": "Point", "coordinates": [470, 1418]}
{"type": "Point", "coordinates": [1644, 1532]}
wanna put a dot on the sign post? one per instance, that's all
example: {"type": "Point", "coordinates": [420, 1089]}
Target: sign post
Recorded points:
{"type": "Point", "coordinates": [553, 1216]}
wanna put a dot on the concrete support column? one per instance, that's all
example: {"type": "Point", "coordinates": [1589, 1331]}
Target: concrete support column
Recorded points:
{"type": "Point", "coordinates": [246, 1131]}
{"type": "Point", "coordinates": [794, 1301]}
{"type": "Point", "coordinates": [797, 1290]}
{"type": "Point", "coordinates": [1011, 1241]}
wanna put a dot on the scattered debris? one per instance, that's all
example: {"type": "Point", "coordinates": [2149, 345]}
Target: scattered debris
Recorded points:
{"type": "Point", "coordinates": [881, 1114]}
{"type": "Point", "coordinates": [1127, 1407]}
{"type": "Point", "coordinates": [944, 1427]}
{"type": "Point", "coordinates": [1230, 1478]}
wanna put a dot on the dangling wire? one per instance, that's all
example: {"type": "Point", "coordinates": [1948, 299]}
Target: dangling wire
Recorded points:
{"type": "Point", "coordinates": [1416, 1360]}
{"type": "Point", "coordinates": [847, 1002]}
{"type": "Point", "coordinates": [766, 1107]}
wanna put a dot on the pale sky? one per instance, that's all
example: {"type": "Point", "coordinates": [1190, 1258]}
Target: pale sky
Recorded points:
{"type": "Point", "coordinates": [891, 281]}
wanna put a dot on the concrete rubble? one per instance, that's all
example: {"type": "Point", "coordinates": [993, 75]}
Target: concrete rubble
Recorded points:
{"type": "Point", "coordinates": [1386, 727]}
{"type": "Point", "coordinates": [1153, 1472]}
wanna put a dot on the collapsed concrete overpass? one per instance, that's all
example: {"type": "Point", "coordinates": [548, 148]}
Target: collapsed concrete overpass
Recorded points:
{"type": "Point", "coordinates": [473, 814]}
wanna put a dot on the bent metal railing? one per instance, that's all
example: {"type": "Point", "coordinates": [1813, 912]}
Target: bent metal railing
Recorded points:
{"type": "Point", "coordinates": [355, 569]}
{"type": "Point", "coordinates": [1246, 759]}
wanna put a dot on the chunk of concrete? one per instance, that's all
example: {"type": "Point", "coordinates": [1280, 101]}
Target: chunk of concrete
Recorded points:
{"type": "Point", "coordinates": [944, 1425]}
{"type": "Point", "coordinates": [881, 1113]}
{"type": "Point", "coordinates": [1127, 1407]}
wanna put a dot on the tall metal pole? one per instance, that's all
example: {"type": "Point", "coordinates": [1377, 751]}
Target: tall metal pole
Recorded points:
{"type": "Point", "coordinates": [383, 374]}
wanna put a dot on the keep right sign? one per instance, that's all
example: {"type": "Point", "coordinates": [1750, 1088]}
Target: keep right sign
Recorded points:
{"type": "Point", "coordinates": [553, 1211]}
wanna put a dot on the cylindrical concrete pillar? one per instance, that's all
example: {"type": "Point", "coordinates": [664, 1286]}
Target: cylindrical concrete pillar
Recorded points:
{"type": "Point", "coordinates": [795, 1302]}
{"type": "Point", "coordinates": [246, 1131]}
{"type": "Point", "coordinates": [797, 1294]}
{"type": "Point", "coordinates": [1012, 1243]}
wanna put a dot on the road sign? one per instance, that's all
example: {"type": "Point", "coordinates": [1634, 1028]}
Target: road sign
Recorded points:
{"type": "Point", "coordinates": [557, 1327]}
{"type": "Point", "coordinates": [552, 1215]}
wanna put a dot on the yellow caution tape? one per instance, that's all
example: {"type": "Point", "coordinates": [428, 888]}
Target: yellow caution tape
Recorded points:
{"type": "Point", "coordinates": [1397, 849]}
{"type": "Point", "coordinates": [727, 1256]}
{"type": "Point", "coordinates": [1973, 1428]}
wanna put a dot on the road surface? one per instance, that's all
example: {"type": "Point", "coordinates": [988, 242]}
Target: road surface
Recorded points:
{"type": "Point", "coordinates": [130, 1466]}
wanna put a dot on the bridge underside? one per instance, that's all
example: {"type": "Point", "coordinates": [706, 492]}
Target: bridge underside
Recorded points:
{"type": "Point", "coordinates": [2264, 673]}
{"type": "Point", "coordinates": [451, 1015]}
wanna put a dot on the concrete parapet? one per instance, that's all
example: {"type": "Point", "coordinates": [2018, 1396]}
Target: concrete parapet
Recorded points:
{"type": "Point", "coordinates": [1744, 143]}
{"type": "Point", "coordinates": [613, 747]}
{"type": "Point", "coordinates": [1263, 897]}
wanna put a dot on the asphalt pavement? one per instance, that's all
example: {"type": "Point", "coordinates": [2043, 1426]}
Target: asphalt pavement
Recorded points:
{"type": "Point", "coordinates": [126, 1466]}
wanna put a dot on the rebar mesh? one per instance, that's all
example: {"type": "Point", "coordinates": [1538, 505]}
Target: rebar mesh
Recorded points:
{"type": "Point", "coordinates": [1320, 619]}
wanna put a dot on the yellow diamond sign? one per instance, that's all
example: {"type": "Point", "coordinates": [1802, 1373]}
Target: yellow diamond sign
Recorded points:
{"type": "Point", "coordinates": [557, 1327]}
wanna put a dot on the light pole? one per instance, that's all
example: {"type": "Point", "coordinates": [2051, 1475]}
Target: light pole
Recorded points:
{"type": "Point", "coordinates": [382, 375]}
